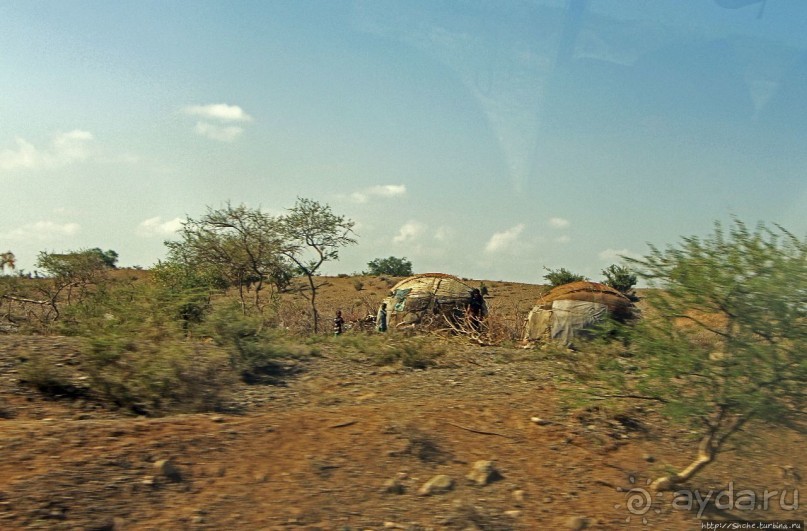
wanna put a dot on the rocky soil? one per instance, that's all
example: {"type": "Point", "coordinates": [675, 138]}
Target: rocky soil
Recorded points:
{"type": "Point", "coordinates": [487, 439]}
{"type": "Point", "coordinates": [483, 440]}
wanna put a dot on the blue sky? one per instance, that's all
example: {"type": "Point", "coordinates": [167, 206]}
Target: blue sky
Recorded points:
{"type": "Point", "coordinates": [484, 139]}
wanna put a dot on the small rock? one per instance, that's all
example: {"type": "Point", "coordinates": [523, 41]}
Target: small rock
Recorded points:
{"type": "Point", "coordinates": [393, 486]}
{"type": "Point", "coordinates": [649, 458]}
{"type": "Point", "coordinates": [483, 473]}
{"type": "Point", "coordinates": [541, 422]}
{"type": "Point", "coordinates": [437, 485]}
{"type": "Point", "coordinates": [166, 468]}
{"type": "Point", "coordinates": [576, 523]}
{"type": "Point", "coordinates": [512, 514]}
{"type": "Point", "coordinates": [519, 496]}
{"type": "Point", "coordinates": [548, 499]}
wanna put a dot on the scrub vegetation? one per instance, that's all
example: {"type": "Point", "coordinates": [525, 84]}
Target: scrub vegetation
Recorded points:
{"type": "Point", "coordinates": [238, 305]}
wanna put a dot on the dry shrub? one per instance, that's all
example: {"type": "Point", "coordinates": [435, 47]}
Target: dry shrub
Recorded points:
{"type": "Point", "coordinates": [417, 352]}
{"type": "Point", "coordinates": [46, 373]}
{"type": "Point", "coordinates": [155, 378]}
{"type": "Point", "coordinates": [293, 316]}
{"type": "Point", "coordinates": [501, 327]}
{"type": "Point", "coordinates": [425, 447]}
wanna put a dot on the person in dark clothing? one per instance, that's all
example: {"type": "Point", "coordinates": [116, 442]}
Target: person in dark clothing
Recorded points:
{"type": "Point", "coordinates": [338, 323]}
{"type": "Point", "coordinates": [381, 319]}
{"type": "Point", "coordinates": [475, 309]}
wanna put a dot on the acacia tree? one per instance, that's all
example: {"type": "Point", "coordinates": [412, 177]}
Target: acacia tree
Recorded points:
{"type": "Point", "coordinates": [72, 272]}
{"type": "Point", "coordinates": [313, 235]}
{"type": "Point", "coordinates": [237, 246]}
{"type": "Point", "coordinates": [397, 267]}
{"type": "Point", "coordinates": [70, 276]}
{"type": "Point", "coordinates": [108, 257]}
{"type": "Point", "coordinates": [7, 260]}
{"type": "Point", "coordinates": [725, 342]}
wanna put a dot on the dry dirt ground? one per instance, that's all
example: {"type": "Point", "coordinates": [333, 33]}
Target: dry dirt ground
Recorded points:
{"type": "Point", "coordinates": [339, 443]}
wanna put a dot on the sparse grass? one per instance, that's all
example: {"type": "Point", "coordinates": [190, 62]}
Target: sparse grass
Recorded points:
{"type": "Point", "coordinates": [417, 352]}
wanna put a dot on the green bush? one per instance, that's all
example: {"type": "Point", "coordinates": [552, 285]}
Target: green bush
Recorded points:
{"type": "Point", "coordinates": [138, 354]}
{"type": "Point", "coordinates": [156, 377]}
{"type": "Point", "coordinates": [126, 309]}
{"type": "Point", "coordinates": [253, 348]}
{"type": "Point", "coordinates": [621, 279]}
{"type": "Point", "coordinates": [559, 277]}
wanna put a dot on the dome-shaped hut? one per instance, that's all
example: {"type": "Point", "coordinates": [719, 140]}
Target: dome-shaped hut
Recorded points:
{"type": "Point", "coordinates": [568, 311]}
{"type": "Point", "coordinates": [431, 298]}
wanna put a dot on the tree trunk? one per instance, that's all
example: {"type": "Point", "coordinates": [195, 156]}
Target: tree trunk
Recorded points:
{"type": "Point", "coordinates": [708, 448]}
{"type": "Point", "coordinates": [313, 301]}
{"type": "Point", "coordinates": [706, 454]}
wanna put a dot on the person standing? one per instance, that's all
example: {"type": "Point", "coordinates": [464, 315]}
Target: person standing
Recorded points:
{"type": "Point", "coordinates": [381, 318]}
{"type": "Point", "coordinates": [338, 323]}
{"type": "Point", "coordinates": [475, 309]}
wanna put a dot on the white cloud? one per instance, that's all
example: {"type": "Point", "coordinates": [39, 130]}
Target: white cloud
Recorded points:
{"type": "Point", "coordinates": [501, 241]}
{"type": "Point", "coordinates": [559, 223]}
{"type": "Point", "coordinates": [219, 111]}
{"type": "Point", "coordinates": [615, 255]}
{"type": "Point", "coordinates": [66, 148]}
{"type": "Point", "coordinates": [409, 231]}
{"type": "Point", "coordinates": [386, 190]}
{"type": "Point", "coordinates": [41, 230]}
{"type": "Point", "coordinates": [157, 227]}
{"type": "Point", "coordinates": [222, 133]}
{"type": "Point", "coordinates": [563, 239]}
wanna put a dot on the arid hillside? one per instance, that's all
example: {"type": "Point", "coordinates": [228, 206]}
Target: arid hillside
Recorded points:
{"type": "Point", "coordinates": [339, 437]}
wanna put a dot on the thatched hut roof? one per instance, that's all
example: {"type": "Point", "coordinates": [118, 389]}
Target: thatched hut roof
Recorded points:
{"type": "Point", "coordinates": [421, 298]}
{"type": "Point", "coordinates": [616, 302]}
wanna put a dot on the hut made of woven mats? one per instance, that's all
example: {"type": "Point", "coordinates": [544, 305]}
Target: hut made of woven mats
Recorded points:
{"type": "Point", "coordinates": [569, 311]}
{"type": "Point", "coordinates": [428, 299]}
